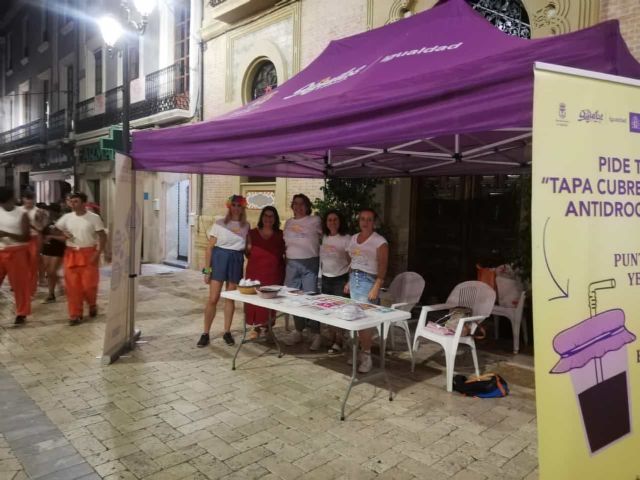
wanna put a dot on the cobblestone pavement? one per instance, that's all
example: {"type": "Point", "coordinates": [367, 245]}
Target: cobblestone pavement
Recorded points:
{"type": "Point", "coordinates": [172, 411]}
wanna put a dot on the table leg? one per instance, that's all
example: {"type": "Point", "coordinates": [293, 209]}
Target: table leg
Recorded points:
{"type": "Point", "coordinates": [241, 342]}
{"type": "Point", "coordinates": [354, 370]}
{"type": "Point", "coordinates": [382, 361]}
{"type": "Point", "coordinates": [270, 322]}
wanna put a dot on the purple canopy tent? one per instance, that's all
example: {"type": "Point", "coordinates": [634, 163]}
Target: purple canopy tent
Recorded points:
{"type": "Point", "coordinates": [442, 92]}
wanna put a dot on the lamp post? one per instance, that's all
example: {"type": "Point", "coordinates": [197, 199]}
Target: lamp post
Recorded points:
{"type": "Point", "coordinates": [112, 30]}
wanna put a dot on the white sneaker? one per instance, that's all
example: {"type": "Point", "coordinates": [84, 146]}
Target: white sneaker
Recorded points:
{"type": "Point", "coordinates": [316, 342]}
{"type": "Point", "coordinates": [365, 362]}
{"type": "Point", "coordinates": [349, 357]}
{"type": "Point", "coordinates": [293, 338]}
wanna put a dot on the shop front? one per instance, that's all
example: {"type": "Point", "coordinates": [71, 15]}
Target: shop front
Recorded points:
{"type": "Point", "coordinates": [51, 175]}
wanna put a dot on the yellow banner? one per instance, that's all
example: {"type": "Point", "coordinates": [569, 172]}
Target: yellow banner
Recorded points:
{"type": "Point", "coordinates": [586, 275]}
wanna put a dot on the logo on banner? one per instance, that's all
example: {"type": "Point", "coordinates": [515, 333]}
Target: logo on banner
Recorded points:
{"type": "Point", "coordinates": [421, 51]}
{"type": "Point", "coordinates": [634, 122]}
{"type": "Point", "coordinates": [562, 111]}
{"type": "Point", "coordinates": [613, 119]}
{"type": "Point", "coordinates": [561, 119]}
{"type": "Point", "coordinates": [326, 82]}
{"type": "Point", "coordinates": [588, 116]}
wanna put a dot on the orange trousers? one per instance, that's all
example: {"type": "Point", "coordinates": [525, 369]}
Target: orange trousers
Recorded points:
{"type": "Point", "coordinates": [34, 262]}
{"type": "Point", "coordinates": [81, 278]}
{"type": "Point", "coordinates": [14, 263]}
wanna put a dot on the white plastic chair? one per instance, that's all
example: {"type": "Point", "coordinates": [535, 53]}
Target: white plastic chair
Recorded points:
{"type": "Point", "coordinates": [405, 291]}
{"type": "Point", "coordinates": [514, 314]}
{"type": "Point", "coordinates": [477, 296]}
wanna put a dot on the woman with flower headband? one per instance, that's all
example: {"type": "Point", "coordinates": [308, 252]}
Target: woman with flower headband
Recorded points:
{"type": "Point", "coordinates": [224, 259]}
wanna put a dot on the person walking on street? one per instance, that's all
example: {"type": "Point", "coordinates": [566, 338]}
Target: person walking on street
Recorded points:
{"type": "Point", "coordinates": [52, 252]}
{"type": "Point", "coordinates": [85, 241]}
{"type": "Point", "coordinates": [224, 260]}
{"type": "Point", "coordinates": [14, 252]}
{"type": "Point", "coordinates": [37, 220]}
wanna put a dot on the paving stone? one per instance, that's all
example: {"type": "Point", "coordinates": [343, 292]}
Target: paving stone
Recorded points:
{"type": "Point", "coordinates": [173, 473]}
{"type": "Point", "coordinates": [210, 466]}
{"type": "Point", "coordinates": [247, 458]}
{"type": "Point", "coordinates": [170, 410]}
{"type": "Point", "coordinates": [280, 468]}
{"type": "Point", "coordinates": [71, 473]}
{"type": "Point", "coordinates": [110, 468]}
{"type": "Point", "coordinates": [510, 446]}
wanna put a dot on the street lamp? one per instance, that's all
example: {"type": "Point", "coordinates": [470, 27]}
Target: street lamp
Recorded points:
{"type": "Point", "coordinates": [112, 30]}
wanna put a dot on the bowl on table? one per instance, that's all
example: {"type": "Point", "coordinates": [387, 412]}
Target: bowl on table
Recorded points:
{"type": "Point", "coordinates": [268, 292]}
{"type": "Point", "coordinates": [251, 290]}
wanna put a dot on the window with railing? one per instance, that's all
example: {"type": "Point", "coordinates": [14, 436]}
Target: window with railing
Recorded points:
{"type": "Point", "coordinates": [25, 37]}
{"type": "Point", "coordinates": [57, 125]}
{"type": "Point", "coordinates": [181, 46]}
{"type": "Point", "coordinates": [134, 61]}
{"type": "Point", "coordinates": [9, 50]}
{"type": "Point", "coordinates": [510, 16]}
{"type": "Point", "coordinates": [27, 134]}
{"type": "Point", "coordinates": [44, 22]}
{"type": "Point", "coordinates": [97, 68]}
{"type": "Point", "coordinates": [165, 90]}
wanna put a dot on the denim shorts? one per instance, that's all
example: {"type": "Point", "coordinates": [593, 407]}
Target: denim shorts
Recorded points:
{"type": "Point", "coordinates": [226, 265]}
{"type": "Point", "coordinates": [360, 284]}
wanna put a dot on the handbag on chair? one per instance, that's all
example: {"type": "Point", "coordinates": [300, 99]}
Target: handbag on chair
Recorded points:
{"type": "Point", "coordinates": [449, 323]}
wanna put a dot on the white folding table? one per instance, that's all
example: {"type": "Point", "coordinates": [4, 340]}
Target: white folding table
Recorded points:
{"type": "Point", "coordinates": [316, 307]}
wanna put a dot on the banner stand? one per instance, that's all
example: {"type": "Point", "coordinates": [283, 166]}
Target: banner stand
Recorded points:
{"type": "Point", "coordinates": [586, 273]}
{"type": "Point", "coordinates": [120, 333]}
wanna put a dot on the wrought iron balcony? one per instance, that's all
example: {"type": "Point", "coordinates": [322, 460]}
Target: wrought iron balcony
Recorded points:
{"type": "Point", "coordinates": [57, 125]}
{"type": "Point", "coordinates": [31, 133]}
{"type": "Point", "coordinates": [215, 3]}
{"type": "Point", "coordinates": [165, 89]}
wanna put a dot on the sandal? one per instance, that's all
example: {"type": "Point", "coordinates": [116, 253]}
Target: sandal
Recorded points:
{"type": "Point", "coordinates": [254, 334]}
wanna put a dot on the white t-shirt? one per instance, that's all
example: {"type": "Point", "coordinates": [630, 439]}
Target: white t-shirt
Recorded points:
{"type": "Point", "coordinates": [232, 236]}
{"type": "Point", "coordinates": [11, 222]}
{"type": "Point", "coordinates": [37, 218]}
{"type": "Point", "coordinates": [83, 229]}
{"type": "Point", "coordinates": [302, 237]}
{"type": "Point", "coordinates": [334, 258]}
{"type": "Point", "coordinates": [364, 256]}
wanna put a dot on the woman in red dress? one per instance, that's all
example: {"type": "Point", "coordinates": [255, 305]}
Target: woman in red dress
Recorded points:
{"type": "Point", "coordinates": [265, 250]}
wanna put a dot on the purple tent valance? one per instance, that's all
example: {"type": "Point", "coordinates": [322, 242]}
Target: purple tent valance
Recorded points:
{"type": "Point", "coordinates": [441, 92]}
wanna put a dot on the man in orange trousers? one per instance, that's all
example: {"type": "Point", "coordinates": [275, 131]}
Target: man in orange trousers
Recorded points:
{"type": "Point", "coordinates": [86, 240]}
{"type": "Point", "coordinates": [14, 252]}
{"type": "Point", "coordinates": [37, 219]}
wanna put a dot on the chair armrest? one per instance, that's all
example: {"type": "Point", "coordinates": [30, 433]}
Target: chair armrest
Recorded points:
{"type": "Point", "coordinates": [403, 304]}
{"type": "Point", "coordinates": [437, 307]}
{"type": "Point", "coordinates": [475, 319]}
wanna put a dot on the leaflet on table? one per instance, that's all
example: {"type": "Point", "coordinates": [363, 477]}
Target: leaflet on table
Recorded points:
{"type": "Point", "coordinates": [327, 304]}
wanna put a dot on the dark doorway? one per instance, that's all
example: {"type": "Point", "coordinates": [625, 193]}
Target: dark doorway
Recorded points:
{"type": "Point", "coordinates": [459, 222]}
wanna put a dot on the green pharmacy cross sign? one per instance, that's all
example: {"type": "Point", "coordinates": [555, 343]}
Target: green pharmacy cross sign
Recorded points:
{"type": "Point", "coordinates": [113, 142]}
{"type": "Point", "coordinates": [105, 149]}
